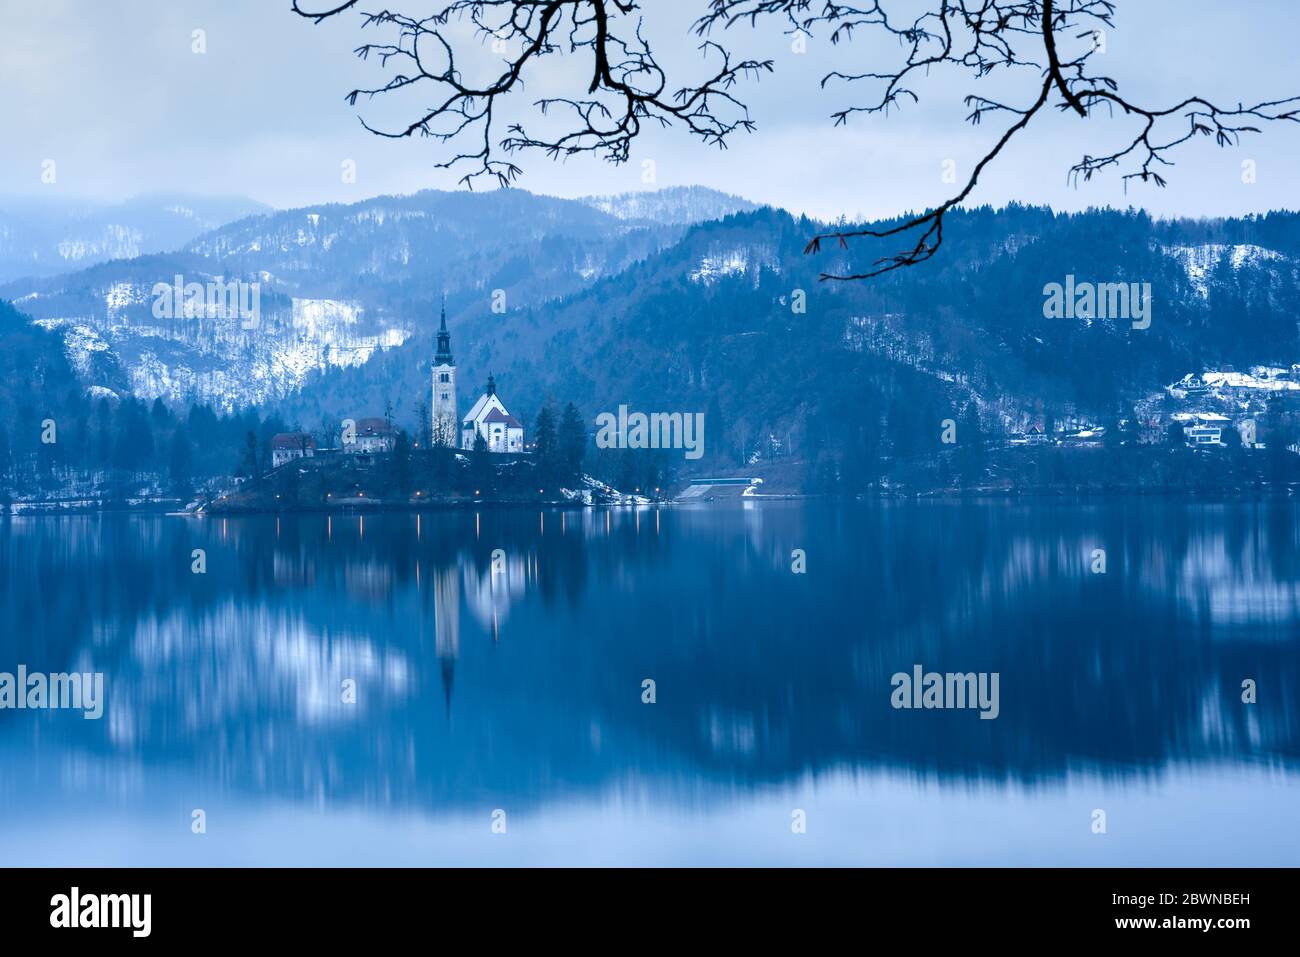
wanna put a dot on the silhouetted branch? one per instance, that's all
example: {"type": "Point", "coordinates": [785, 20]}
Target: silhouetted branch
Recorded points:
{"type": "Point", "coordinates": [981, 36]}
{"type": "Point", "coordinates": [623, 86]}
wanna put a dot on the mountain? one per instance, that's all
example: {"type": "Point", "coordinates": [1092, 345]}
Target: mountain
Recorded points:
{"type": "Point", "coordinates": [712, 323]}
{"type": "Point", "coordinates": [336, 284]}
{"type": "Point", "coordinates": [42, 238]}
{"type": "Point", "coordinates": [529, 246]}
{"type": "Point", "coordinates": [36, 377]}
{"type": "Point", "coordinates": [564, 300]}
{"type": "Point", "coordinates": [673, 206]}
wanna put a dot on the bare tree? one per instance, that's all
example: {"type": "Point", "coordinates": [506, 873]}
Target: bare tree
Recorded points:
{"type": "Point", "coordinates": [624, 86]}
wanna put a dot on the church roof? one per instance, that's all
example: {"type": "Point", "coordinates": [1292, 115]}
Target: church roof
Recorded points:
{"type": "Point", "coordinates": [488, 402]}
{"type": "Point", "coordinates": [373, 426]}
{"type": "Point", "coordinates": [473, 414]}
{"type": "Point", "coordinates": [292, 440]}
{"type": "Point", "coordinates": [496, 415]}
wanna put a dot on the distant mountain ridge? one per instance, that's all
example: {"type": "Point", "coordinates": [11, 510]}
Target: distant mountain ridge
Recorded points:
{"type": "Point", "coordinates": [338, 283]}
{"type": "Point", "coordinates": [42, 238]}
{"type": "Point", "coordinates": [564, 299]}
{"type": "Point", "coordinates": [731, 320]}
{"type": "Point", "coordinates": [671, 206]}
{"type": "Point", "coordinates": [527, 244]}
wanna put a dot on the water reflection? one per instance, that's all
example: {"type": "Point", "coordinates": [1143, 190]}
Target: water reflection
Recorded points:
{"type": "Point", "coordinates": [516, 676]}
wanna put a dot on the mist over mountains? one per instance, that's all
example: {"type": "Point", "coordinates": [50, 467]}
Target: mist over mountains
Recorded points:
{"type": "Point", "coordinates": [680, 300]}
{"type": "Point", "coordinates": [42, 238]}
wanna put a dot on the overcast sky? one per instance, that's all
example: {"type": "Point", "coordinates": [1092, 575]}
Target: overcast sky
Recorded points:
{"type": "Point", "coordinates": [112, 92]}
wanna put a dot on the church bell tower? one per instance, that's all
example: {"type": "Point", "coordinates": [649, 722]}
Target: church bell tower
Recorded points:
{"type": "Point", "coordinates": [445, 425]}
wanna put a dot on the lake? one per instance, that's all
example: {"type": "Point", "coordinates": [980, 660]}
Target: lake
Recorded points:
{"type": "Point", "coordinates": [474, 688]}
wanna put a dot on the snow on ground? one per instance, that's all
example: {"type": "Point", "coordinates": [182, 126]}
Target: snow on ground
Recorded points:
{"type": "Point", "coordinates": [80, 341]}
{"type": "Point", "coordinates": [1266, 378]}
{"type": "Point", "coordinates": [222, 363]}
{"type": "Point", "coordinates": [719, 262]}
{"type": "Point", "coordinates": [1200, 261]}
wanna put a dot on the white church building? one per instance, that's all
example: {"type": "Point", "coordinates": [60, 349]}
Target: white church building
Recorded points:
{"type": "Point", "coordinates": [488, 417]}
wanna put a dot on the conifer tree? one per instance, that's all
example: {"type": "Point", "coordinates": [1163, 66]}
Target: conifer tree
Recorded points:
{"type": "Point", "coordinates": [544, 447]}
{"type": "Point", "coordinates": [572, 441]}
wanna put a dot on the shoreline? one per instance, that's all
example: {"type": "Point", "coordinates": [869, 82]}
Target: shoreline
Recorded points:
{"type": "Point", "coordinates": [168, 507]}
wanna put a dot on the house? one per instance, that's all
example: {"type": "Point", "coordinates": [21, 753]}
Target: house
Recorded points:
{"type": "Point", "coordinates": [490, 418]}
{"type": "Point", "coordinates": [1202, 435]}
{"type": "Point", "coordinates": [368, 436]}
{"type": "Point", "coordinates": [1150, 429]}
{"type": "Point", "coordinates": [286, 446]}
{"type": "Point", "coordinates": [1035, 436]}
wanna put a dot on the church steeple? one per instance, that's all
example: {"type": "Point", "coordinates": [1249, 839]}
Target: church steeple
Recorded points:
{"type": "Point", "coordinates": [442, 356]}
{"type": "Point", "coordinates": [444, 423]}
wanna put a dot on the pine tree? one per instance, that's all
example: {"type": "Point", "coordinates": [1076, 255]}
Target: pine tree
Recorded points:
{"type": "Point", "coordinates": [424, 427]}
{"type": "Point", "coordinates": [182, 463]}
{"type": "Point", "coordinates": [572, 441]}
{"type": "Point", "coordinates": [402, 462]}
{"type": "Point", "coordinates": [104, 430]}
{"type": "Point", "coordinates": [480, 463]}
{"type": "Point", "coordinates": [133, 449]}
{"type": "Point", "coordinates": [970, 445]}
{"type": "Point", "coordinates": [160, 415]}
{"type": "Point", "coordinates": [627, 471]}
{"type": "Point", "coordinates": [544, 445]}
{"type": "Point", "coordinates": [248, 464]}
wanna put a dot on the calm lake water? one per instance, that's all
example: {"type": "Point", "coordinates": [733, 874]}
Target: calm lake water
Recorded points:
{"type": "Point", "coordinates": [519, 689]}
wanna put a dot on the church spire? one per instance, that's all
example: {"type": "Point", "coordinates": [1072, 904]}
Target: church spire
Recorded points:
{"type": "Point", "coordinates": [442, 356]}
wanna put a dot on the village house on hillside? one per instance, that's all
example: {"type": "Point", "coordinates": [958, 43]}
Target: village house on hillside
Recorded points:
{"type": "Point", "coordinates": [286, 446]}
{"type": "Point", "coordinates": [1202, 428]}
{"type": "Point", "coordinates": [1035, 436]}
{"type": "Point", "coordinates": [369, 436]}
{"type": "Point", "coordinates": [1209, 405]}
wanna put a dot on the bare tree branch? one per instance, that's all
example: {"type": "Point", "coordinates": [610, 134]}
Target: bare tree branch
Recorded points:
{"type": "Point", "coordinates": [627, 88]}
{"type": "Point", "coordinates": [981, 36]}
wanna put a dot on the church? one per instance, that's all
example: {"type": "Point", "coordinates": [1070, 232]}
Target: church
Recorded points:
{"type": "Point", "coordinates": [488, 417]}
